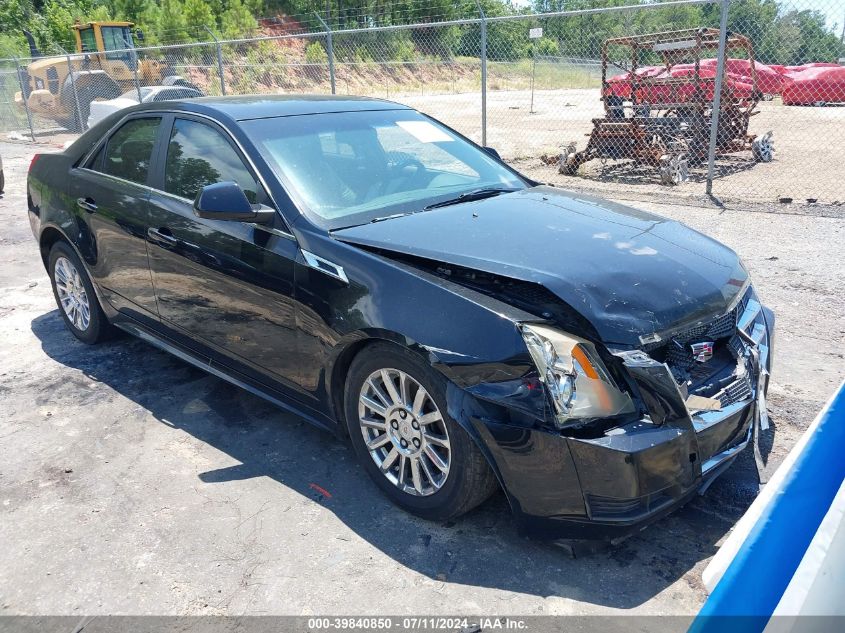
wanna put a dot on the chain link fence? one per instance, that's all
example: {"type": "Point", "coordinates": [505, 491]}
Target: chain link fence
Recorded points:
{"type": "Point", "coordinates": [742, 100]}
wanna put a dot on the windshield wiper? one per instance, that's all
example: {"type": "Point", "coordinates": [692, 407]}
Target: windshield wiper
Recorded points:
{"type": "Point", "coordinates": [475, 194]}
{"type": "Point", "coordinates": [390, 217]}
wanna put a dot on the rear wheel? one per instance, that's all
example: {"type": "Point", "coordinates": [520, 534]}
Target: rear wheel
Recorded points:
{"type": "Point", "coordinates": [75, 296]}
{"type": "Point", "coordinates": [403, 436]}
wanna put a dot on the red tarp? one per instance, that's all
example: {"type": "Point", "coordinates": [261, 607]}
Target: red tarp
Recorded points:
{"type": "Point", "coordinates": [769, 80]}
{"type": "Point", "coordinates": [816, 84]}
{"type": "Point", "coordinates": [805, 84]}
{"type": "Point", "coordinates": [620, 85]}
{"type": "Point", "coordinates": [803, 67]}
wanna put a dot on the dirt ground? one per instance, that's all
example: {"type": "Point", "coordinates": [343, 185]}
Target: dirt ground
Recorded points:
{"type": "Point", "coordinates": [132, 483]}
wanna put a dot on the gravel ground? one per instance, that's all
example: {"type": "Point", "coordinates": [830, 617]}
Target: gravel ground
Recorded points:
{"type": "Point", "coordinates": [132, 483]}
{"type": "Point", "coordinates": [809, 146]}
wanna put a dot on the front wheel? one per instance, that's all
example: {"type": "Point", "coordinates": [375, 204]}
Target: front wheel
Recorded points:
{"type": "Point", "coordinates": [75, 296]}
{"type": "Point", "coordinates": [422, 459]}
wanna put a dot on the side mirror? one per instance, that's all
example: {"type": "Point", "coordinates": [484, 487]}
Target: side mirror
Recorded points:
{"type": "Point", "coordinates": [227, 201]}
{"type": "Point", "coordinates": [139, 35]}
{"type": "Point", "coordinates": [492, 153]}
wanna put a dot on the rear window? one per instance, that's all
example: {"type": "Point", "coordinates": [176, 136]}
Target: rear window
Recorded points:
{"type": "Point", "coordinates": [176, 93]}
{"type": "Point", "coordinates": [130, 149]}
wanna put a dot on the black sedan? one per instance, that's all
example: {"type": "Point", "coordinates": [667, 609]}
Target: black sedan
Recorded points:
{"type": "Point", "coordinates": [368, 268]}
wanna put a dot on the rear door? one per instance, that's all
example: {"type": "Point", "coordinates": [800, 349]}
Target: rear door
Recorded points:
{"type": "Point", "coordinates": [225, 288]}
{"type": "Point", "coordinates": [111, 191]}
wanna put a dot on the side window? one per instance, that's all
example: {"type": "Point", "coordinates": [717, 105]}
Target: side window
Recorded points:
{"type": "Point", "coordinates": [165, 95]}
{"type": "Point", "coordinates": [96, 161]}
{"type": "Point", "coordinates": [89, 43]}
{"type": "Point", "coordinates": [129, 150]}
{"type": "Point", "coordinates": [199, 155]}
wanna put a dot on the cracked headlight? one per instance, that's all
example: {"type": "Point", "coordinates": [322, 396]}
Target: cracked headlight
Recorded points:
{"type": "Point", "coordinates": [576, 379]}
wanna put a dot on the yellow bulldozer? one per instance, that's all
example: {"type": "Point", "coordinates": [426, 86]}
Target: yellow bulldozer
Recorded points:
{"type": "Point", "coordinates": [104, 66]}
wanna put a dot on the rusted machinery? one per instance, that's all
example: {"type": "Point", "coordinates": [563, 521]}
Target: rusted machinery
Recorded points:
{"type": "Point", "coordinates": [659, 112]}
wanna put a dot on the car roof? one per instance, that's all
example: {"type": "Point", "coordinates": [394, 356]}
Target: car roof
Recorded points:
{"type": "Point", "coordinates": [242, 108]}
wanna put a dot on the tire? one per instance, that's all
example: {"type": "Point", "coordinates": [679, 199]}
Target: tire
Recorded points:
{"type": "Point", "coordinates": [2, 181]}
{"type": "Point", "coordinates": [62, 264]}
{"type": "Point", "coordinates": [468, 480]}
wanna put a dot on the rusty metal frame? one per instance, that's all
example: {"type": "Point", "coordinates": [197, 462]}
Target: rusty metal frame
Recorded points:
{"type": "Point", "coordinates": [646, 142]}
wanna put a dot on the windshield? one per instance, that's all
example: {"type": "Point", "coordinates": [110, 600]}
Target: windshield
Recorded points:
{"type": "Point", "coordinates": [353, 167]}
{"type": "Point", "coordinates": [117, 38]}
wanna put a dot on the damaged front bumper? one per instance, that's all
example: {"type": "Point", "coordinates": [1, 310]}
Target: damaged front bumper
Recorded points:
{"type": "Point", "coordinates": [610, 483]}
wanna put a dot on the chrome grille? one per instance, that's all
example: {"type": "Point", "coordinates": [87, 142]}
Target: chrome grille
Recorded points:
{"type": "Point", "coordinates": [728, 376]}
{"type": "Point", "coordinates": [677, 351]}
{"type": "Point", "coordinates": [735, 392]}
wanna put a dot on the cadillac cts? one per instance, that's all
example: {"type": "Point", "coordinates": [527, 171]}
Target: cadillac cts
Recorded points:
{"type": "Point", "coordinates": [362, 265]}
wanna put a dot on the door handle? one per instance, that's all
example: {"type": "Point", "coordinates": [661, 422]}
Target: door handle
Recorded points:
{"type": "Point", "coordinates": [162, 236]}
{"type": "Point", "coordinates": [86, 204]}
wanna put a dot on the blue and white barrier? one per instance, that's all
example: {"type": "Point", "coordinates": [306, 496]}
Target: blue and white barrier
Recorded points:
{"type": "Point", "coordinates": [786, 555]}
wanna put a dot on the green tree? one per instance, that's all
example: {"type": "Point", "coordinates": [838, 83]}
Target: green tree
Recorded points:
{"type": "Point", "coordinates": [198, 14]}
{"type": "Point", "coordinates": [12, 46]}
{"type": "Point", "coordinates": [147, 21]}
{"type": "Point", "coordinates": [816, 43]}
{"type": "Point", "coordinates": [17, 15]}
{"type": "Point", "coordinates": [315, 54]}
{"type": "Point", "coordinates": [171, 22]}
{"type": "Point", "coordinates": [237, 20]}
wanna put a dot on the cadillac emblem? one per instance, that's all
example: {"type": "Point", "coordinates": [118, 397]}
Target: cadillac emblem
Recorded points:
{"type": "Point", "coordinates": [703, 351]}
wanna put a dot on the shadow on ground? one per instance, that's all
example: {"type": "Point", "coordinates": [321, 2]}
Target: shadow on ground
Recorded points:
{"type": "Point", "coordinates": [629, 172]}
{"type": "Point", "coordinates": [480, 549]}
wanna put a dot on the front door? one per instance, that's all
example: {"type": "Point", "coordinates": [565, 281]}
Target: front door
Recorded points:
{"type": "Point", "coordinates": [111, 194]}
{"type": "Point", "coordinates": [226, 287]}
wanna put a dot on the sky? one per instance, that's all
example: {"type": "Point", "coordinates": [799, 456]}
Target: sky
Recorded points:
{"type": "Point", "coordinates": [833, 9]}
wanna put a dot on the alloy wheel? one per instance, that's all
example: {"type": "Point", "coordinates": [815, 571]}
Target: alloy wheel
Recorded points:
{"type": "Point", "coordinates": [72, 295]}
{"type": "Point", "coordinates": [404, 432]}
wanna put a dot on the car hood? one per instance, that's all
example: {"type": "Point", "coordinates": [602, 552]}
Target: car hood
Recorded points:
{"type": "Point", "coordinates": [631, 274]}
